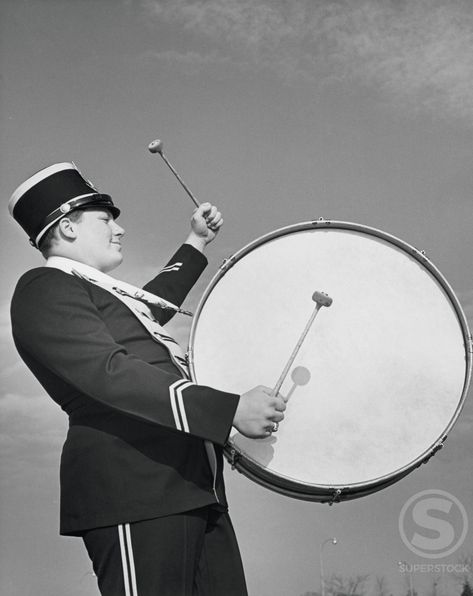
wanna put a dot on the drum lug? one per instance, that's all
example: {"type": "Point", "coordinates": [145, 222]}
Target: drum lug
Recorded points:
{"type": "Point", "coordinates": [336, 495]}
{"type": "Point", "coordinates": [436, 448]}
{"type": "Point", "coordinates": [321, 220]}
{"type": "Point", "coordinates": [234, 457]}
{"type": "Point", "coordinates": [227, 263]}
{"type": "Point", "coordinates": [420, 253]}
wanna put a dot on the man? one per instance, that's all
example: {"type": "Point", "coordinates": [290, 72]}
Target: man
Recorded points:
{"type": "Point", "coordinates": [141, 468]}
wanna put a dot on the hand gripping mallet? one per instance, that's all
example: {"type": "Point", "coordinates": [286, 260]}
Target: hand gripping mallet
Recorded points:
{"type": "Point", "coordinates": [320, 299]}
{"type": "Point", "coordinates": [157, 147]}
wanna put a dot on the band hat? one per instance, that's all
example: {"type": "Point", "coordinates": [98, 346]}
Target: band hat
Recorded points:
{"type": "Point", "coordinates": [50, 194]}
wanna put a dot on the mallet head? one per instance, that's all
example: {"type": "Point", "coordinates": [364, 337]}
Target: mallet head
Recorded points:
{"type": "Point", "coordinates": [300, 375]}
{"type": "Point", "coordinates": [156, 146]}
{"type": "Point", "coordinates": [322, 299]}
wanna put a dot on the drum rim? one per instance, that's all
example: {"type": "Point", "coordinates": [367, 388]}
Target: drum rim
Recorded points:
{"type": "Point", "coordinates": [417, 254]}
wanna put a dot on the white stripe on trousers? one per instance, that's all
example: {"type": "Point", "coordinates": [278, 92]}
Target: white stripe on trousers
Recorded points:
{"type": "Point", "coordinates": [128, 562]}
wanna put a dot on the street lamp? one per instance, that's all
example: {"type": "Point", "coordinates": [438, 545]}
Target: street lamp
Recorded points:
{"type": "Point", "coordinates": [322, 579]}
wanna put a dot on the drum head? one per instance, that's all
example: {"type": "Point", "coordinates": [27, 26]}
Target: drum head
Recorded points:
{"type": "Point", "coordinates": [380, 377]}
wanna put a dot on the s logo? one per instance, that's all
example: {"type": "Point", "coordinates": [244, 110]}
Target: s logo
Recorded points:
{"type": "Point", "coordinates": [433, 524]}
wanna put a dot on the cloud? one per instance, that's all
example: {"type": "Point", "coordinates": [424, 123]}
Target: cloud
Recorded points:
{"type": "Point", "coordinates": [5, 325]}
{"type": "Point", "coordinates": [418, 52]}
{"type": "Point", "coordinates": [32, 431]}
{"type": "Point", "coordinates": [191, 62]}
{"type": "Point", "coordinates": [11, 367]}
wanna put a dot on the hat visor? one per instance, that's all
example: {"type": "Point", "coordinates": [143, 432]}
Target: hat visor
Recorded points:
{"type": "Point", "coordinates": [92, 201]}
{"type": "Point", "coordinates": [99, 201]}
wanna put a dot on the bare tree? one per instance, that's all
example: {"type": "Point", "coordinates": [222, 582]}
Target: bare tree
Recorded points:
{"type": "Point", "coordinates": [381, 586]}
{"type": "Point", "coordinates": [465, 560]}
{"type": "Point", "coordinates": [434, 590]}
{"type": "Point", "coordinates": [409, 584]}
{"type": "Point", "coordinates": [463, 572]}
{"type": "Point", "coordinates": [338, 585]}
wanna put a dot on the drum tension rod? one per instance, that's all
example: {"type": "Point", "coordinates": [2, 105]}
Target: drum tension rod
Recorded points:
{"type": "Point", "coordinates": [227, 263]}
{"type": "Point", "coordinates": [436, 448]}
{"type": "Point", "coordinates": [234, 458]}
{"type": "Point", "coordinates": [335, 496]}
{"type": "Point", "coordinates": [321, 220]}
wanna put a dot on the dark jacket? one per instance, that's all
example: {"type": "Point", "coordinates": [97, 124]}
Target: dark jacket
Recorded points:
{"type": "Point", "coordinates": [124, 460]}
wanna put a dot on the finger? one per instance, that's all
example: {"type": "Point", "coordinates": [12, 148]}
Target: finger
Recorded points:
{"type": "Point", "coordinates": [273, 415]}
{"type": "Point", "coordinates": [216, 226]}
{"type": "Point", "coordinates": [277, 417]}
{"type": "Point", "coordinates": [280, 404]}
{"type": "Point", "coordinates": [214, 218]}
{"type": "Point", "coordinates": [211, 223]}
{"type": "Point", "coordinates": [203, 209]}
{"type": "Point", "coordinates": [274, 427]}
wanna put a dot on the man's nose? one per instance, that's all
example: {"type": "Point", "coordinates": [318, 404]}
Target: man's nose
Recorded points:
{"type": "Point", "coordinates": [118, 230]}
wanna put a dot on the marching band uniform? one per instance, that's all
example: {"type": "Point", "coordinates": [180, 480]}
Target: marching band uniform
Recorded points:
{"type": "Point", "coordinates": [143, 453]}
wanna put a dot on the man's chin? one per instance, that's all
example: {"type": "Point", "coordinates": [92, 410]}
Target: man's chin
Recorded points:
{"type": "Point", "coordinates": [113, 264]}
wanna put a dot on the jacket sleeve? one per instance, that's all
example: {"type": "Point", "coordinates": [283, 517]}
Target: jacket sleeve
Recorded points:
{"type": "Point", "coordinates": [55, 321]}
{"type": "Point", "coordinates": [176, 279]}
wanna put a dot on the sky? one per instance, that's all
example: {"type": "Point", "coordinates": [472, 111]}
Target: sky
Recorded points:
{"type": "Point", "coordinates": [279, 113]}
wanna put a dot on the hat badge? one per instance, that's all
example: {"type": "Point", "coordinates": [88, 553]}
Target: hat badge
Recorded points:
{"type": "Point", "coordinates": [88, 182]}
{"type": "Point", "coordinates": [65, 208]}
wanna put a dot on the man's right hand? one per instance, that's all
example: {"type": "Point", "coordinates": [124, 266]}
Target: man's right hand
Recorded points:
{"type": "Point", "coordinates": [257, 412]}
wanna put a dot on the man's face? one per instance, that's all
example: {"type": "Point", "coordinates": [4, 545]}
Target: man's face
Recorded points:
{"type": "Point", "coordinates": [98, 239]}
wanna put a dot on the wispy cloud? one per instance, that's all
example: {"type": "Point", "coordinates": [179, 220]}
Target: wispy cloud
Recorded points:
{"type": "Point", "coordinates": [191, 62]}
{"type": "Point", "coordinates": [10, 363]}
{"type": "Point", "coordinates": [418, 51]}
{"type": "Point", "coordinates": [5, 325]}
{"type": "Point", "coordinates": [32, 411]}
{"type": "Point", "coordinates": [32, 431]}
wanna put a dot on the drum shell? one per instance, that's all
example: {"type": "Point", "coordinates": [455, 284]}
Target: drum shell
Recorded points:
{"type": "Point", "coordinates": [389, 292]}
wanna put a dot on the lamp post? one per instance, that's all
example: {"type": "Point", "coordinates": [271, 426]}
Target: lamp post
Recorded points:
{"type": "Point", "coordinates": [322, 579]}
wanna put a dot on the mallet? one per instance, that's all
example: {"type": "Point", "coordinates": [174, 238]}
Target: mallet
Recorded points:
{"type": "Point", "coordinates": [320, 299]}
{"type": "Point", "coordinates": [300, 376]}
{"type": "Point", "coordinates": [157, 147]}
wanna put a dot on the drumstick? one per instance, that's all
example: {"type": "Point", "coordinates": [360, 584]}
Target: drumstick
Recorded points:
{"type": "Point", "coordinates": [157, 147]}
{"type": "Point", "coordinates": [320, 299]}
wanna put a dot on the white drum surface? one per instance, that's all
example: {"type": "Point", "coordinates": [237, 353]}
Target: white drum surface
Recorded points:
{"type": "Point", "coordinates": [379, 376]}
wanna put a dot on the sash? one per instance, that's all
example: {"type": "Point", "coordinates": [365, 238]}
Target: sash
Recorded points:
{"type": "Point", "coordinates": [135, 299]}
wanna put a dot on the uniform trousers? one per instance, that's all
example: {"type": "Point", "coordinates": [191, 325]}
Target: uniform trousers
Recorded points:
{"type": "Point", "coordinates": [189, 554]}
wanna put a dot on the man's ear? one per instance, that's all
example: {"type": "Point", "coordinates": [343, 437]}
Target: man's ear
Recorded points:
{"type": "Point", "coordinates": [67, 228]}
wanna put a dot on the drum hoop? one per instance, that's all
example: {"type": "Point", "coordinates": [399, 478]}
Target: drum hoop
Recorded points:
{"type": "Point", "coordinates": [322, 493]}
{"type": "Point", "coordinates": [421, 257]}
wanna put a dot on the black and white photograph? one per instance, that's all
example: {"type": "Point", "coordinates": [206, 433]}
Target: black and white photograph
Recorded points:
{"type": "Point", "coordinates": [237, 298]}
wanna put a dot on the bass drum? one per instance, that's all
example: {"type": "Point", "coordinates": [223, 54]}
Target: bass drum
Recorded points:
{"type": "Point", "coordinates": [380, 378]}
